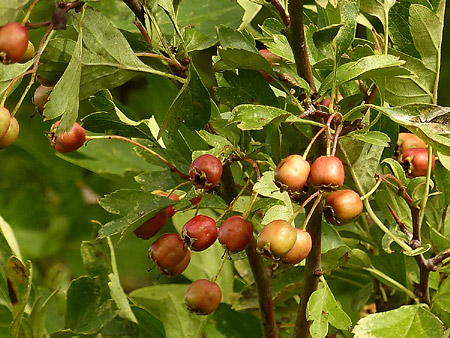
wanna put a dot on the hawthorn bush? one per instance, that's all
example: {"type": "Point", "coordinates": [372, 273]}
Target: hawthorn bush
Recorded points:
{"type": "Point", "coordinates": [308, 128]}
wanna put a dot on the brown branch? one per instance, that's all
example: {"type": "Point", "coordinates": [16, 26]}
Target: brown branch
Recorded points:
{"type": "Point", "coordinates": [401, 224]}
{"type": "Point", "coordinates": [296, 37]}
{"type": "Point", "coordinates": [439, 259]}
{"type": "Point", "coordinates": [261, 273]}
{"type": "Point", "coordinates": [263, 281]}
{"type": "Point", "coordinates": [313, 270]}
{"type": "Point", "coordinates": [281, 10]}
{"type": "Point", "coordinates": [136, 7]}
{"type": "Point", "coordinates": [142, 30]}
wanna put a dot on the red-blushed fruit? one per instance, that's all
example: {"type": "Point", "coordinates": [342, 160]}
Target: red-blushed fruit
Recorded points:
{"type": "Point", "coordinates": [272, 58]}
{"type": "Point", "coordinates": [327, 172]}
{"type": "Point", "coordinates": [292, 173]}
{"type": "Point", "coordinates": [179, 268]}
{"type": "Point", "coordinates": [205, 171]}
{"type": "Point", "coordinates": [235, 233]}
{"type": "Point", "coordinates": [200, 232]}
{"type": "Point", "coordinates": [276, 238]}
{"type": "Point", "coordinates": [11, 134]}
{"type": "Point", "coordinates": [13, 42]}
{"type": "Point", "coordinates": [5, 120]}
{"type": "Point", "coordinates": [327, 101]}
{"type": "Point", "coordinates": [152, 226]}
{"type": "Point", "coordinates": [409, 141]}
{"type": "Point", "coordinates": [29, 53]}
{"type": "Point", "coordinates": [170, 210]}
{"type": "Point", "coordinates": [40, 97]}
{"type": "Point", "coordinates": [418, 161]}
{"type": "Point", "coordinates": [300, 250]}
{"type": "Point", "coordinates": [168, 251]}
{"type": "Point", "coordinates": [69, 141]}
{"type": "Point", "coordinates": [342, 206]}
{"type": "Point", "coordinates": [203, 297]}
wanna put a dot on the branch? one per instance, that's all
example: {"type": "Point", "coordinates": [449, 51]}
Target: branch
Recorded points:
{"type": "Point", "coordinates": [261, 273]}
{"type": "Point", "coordinates": [313, 270]}
{"type": "Point", "coordinates": [296, 37]}
{"type": "Point", "coordinates": [281, 10]}
{"type": "Point", "coordinates": [136, 7]}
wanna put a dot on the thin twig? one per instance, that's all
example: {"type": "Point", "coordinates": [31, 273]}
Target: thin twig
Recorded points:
{"type": "Point", "coordinates": [136, 7]}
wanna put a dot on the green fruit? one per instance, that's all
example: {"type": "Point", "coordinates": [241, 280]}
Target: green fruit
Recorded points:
{"type": "Point", "coordinates": [276, 238]}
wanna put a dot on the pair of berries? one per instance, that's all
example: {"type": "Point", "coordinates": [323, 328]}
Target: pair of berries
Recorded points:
{"type": "Point", "coordinates": [413, 154]}
{"type": "Point", "coordinates": [9, 128]}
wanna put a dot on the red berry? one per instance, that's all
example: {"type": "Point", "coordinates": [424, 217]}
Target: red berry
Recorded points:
{"type": "Point", "coordinates": [179, 268]}
{"type": "Point", "coordinates": [327, 172]}
{"type": "Point", "coordinates": [13, 42]}
{"type": "Point", "coordinates": [200, 232]}
{"type": "Point", "coordinates": [69, 141]}
{"type": "Point", "coordinates": [300, 250]}
{"type": "Point", "coordinates": [292, 172]}
{"type": "Point", "coordinates": [40, 97]}
{"type": "Point", "coordinates": [272, 58]}
{"type": "Point", "coordinates": [203, 297]}
{"type": "Point", "coordinates": [11, 134]}
{"type": "Point", "coordinates": [5, 121]}
{"type": "Point", "coordinates": [170, 210]}
{"type": "Point", "coordinates": [168, 251]}
{"type": "Point", "coordinates": [342, 206]}
{"type": "Point", "coordinates": [235, 233]}
{"type": "Point", "coordinates": [418, 161]}
{"type": "Point", "coordinates": [409, 141]}
{"type": "Point", "coordinates": [205, 171]}
{"type": "Point", "coordinates": [276, 238]}
{"type": "Point", "coordinates": [151, 227]}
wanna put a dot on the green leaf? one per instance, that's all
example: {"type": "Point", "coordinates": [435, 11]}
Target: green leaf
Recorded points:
{"type": "Point", "coordinates": [191, 107]}
{"type": "Point", "coordinates": [149, 323]}
{"type": "Point", "coordinates": [372, 137]}
{"type": "Point", "coordinates": [244, 87]}
{"type": "Point", "coordinates": [178, 321]}
{"type": "Point", "coordinates": [323, 309]}
{"type": "Point", "coordinates": [429, 122]}
{"type": "Point", "coordinates": [152, 298]}
{"type": "Point", "coordinates": [226, 322]}
{"type": "Point", "coordinates": [323, 39]}
{"type": "Point", "coordinates": [12, 247]}
{"type": "Point", "coordinates": [9, 72]}
{"type": "Point", "coordinates": [349, 13]}
{"type": "Point", "coordinates": [396, 169]}
{"type": "Point", "coordinates": [109, 157]}
{"type": "Point", "coordinates": [368, 67]}
{"type": "Point", "coordinates": [19, 288]}
{"type": "Point", "coordinates": [135, 207]}
{"type": "Point", "coordinates": [64, 98]}
{"type": "Point", "coordinates": [37, 317]}
{"type": "Point", "coordinates": [10, 10]}
{"type": "Point", "coordinates": [362, 160]}
{"type": "Point", "coordinates": [85, 313]}
{"type": "Point", "coordinates": [205, 16]}
{"type": "Point", "coordinates": [255, 117]}
{"type": "Point", "coordinates": [411, 321]}
{"type": "Point", "coordinates": [377, 8]}
{"type": "Point", "coordinates": [108, 60]}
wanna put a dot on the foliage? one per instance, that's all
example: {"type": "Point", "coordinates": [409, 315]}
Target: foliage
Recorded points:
{"type": "Point", "coordinates": [187, 79]}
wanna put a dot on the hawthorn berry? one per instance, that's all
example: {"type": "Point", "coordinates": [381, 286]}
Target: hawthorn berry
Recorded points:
{"type": "Point", "coordinates": [40, 97]}
{"type": "Point", "coordinates": [342, 206]}
{"type": "Point", "coordinates": [327, 172]}
{"type": "Point", "coordinates": [11, 134]}
{"type": "Point", "coordinates": [200, 232]}
{"type": "Point", "coordinates": [292, 173]}
{"type": "Point", "coordinates": [13, 42]}
{"type": "Point", "coordinates": [300, 250]}
{"type": "Point", "coordinates": [5, 120]}
{"type": "Point", "coordinates": [179, 268]}
{"type": "Point", "coordinates": [276, 238]}
{"type": "Point", "coordinates": [168, 251]}
{"type": "Point", "coordinates": [152, 226]}
{"type": "Point", "coordinates": [205, 171]}
{"type": "Point", "coordinates": [69, 141]}
{"type": "Point", "coordinates": [409, 141]}
{"type": "Point", "coordinates": [417, 161]}
{"type": "Point", "coordinates": [203, 297]}
{"type": "Point", "coordinates": [170, 210]}
{"type": "Point", "coordinates": [235, 233]}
